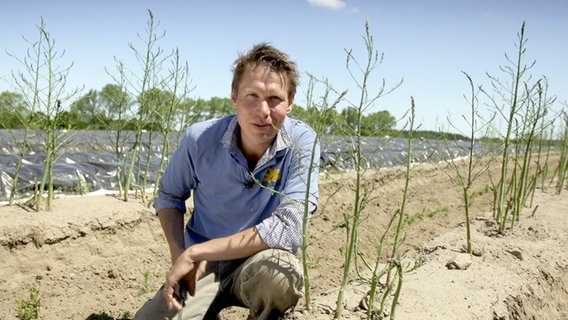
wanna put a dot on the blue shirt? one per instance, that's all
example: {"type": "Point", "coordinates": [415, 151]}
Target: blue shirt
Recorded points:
{"type": "Point", "coordinates": [228, 198]}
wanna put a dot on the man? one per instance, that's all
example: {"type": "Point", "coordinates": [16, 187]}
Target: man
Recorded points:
{"type": "Point", "coordinates": [248, 175]}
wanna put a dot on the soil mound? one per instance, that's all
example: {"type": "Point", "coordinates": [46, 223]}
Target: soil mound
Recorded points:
{"type": "Point", "coordinates": [97, 257]}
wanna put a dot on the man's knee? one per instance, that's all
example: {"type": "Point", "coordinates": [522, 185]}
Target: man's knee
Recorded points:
{"type": "Point", "coordinates": [270, 281]}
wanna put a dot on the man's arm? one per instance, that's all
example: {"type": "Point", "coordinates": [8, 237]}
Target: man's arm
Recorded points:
{"type": "Point", "coordinates": [173, 227]}
{"type": "Point", "coordinates": [240, 245]}
{"type": "Point", "coordinates": [189, 265]}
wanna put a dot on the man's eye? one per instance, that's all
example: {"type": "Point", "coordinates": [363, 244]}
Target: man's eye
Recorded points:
{"type": "Point", "coordinates": [251, 97]}
{"type": "Point", "coordinates": [274, 101]}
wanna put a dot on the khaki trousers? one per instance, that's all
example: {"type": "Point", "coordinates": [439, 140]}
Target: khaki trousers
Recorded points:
{"type": "Point", "coordinates": [268, 283]}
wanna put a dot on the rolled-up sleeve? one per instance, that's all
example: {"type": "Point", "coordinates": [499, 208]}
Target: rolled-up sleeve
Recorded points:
{"type": "Point", "coordinates": [178, 179]}
{"type": "Point", "coordinates": [166, 200]}
{"type": "Point", "coordinates": [284, 229]}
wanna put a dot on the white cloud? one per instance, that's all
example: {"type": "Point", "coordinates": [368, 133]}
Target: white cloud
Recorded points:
{"type": "Point", "coordinates": [331, 4]}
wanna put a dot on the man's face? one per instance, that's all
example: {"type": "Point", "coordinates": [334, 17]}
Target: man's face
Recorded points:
{"type": "Point", "coordinates": [262, 105]}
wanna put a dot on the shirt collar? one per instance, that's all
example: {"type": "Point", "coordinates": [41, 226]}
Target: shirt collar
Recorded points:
{"type": "Point", "coordinates": [230, 140]}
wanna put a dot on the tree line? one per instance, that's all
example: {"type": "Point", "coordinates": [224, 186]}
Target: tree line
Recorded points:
{"type": "Point", "coordinates": [112, 108]}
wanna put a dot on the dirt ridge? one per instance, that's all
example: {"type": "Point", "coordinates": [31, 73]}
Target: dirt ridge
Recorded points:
{"type": "Point", "coordinates": [100, 256]}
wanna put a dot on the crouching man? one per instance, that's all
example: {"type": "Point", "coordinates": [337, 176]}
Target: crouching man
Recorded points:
{"type": "Point", "coordinates": [248, 175]}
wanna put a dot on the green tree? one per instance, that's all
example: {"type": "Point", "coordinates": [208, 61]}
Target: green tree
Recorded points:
{"type": "Point", "coordinates": [377, 123]}
{"type": "Point", "coordinates": [220, 107]}
{"type": "Point", "coordinates": [115, 103]}
{"type": "Point", "coordinates": [213, 108]}
{"type": "Point", "coordinates": [12, 110]}
{"type": "Point", "coordinates": [157, 102]}
{"type": "Point", "coordinates": [86, 112]}
{"type": "Point", "coordinates": [311, 116]}
{"type": "Point", "coordinates": [298, 112]}
{"type": "Point", "coordinates": [184, 115]}
{"type": "Point", "coordinates": [350, 119]}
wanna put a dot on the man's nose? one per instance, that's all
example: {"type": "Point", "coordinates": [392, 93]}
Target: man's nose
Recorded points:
{"type": "Point", "coordinates": [263, 108]}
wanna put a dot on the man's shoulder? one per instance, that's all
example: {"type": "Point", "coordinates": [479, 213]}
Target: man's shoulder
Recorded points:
{"type": "Point", "coordinates": [297, 129]}
{"type": "Point", "coordinates": [212, 127]}
{"type": "Point", "coordinates": [297, 125]}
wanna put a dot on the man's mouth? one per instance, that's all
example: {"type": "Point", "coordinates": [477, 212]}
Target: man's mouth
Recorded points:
{"type": "Point", "coordinates": [263, 126]}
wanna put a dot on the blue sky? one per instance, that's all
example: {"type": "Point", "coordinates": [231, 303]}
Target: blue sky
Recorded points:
{"type": "Point", "coordinates": [426, 43]}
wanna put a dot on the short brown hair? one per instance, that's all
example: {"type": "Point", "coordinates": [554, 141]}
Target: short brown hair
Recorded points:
{"type": "Point", "coordinates": [263, 54]}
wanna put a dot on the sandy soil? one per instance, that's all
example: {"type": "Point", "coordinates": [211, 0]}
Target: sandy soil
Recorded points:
{"type": "Point", "coordinates": [101, 258]}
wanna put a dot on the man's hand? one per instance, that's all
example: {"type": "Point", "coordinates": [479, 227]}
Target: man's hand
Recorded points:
{"type": "Point", "coordinates": [183, 269]}
{"type": "Point", "coordinates": [191, 264]}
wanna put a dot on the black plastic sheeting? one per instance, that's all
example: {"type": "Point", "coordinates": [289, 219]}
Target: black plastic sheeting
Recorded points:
{"type": "Point", "coordinates": [88, 160]}
{"type": "Point", "coordinates": [338, 152]}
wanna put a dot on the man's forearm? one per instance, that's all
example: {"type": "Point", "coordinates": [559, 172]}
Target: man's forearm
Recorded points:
{"type": "Point", "coordinates": [240, 245]}
{"type": "Point", "coordinates": [173, 227]}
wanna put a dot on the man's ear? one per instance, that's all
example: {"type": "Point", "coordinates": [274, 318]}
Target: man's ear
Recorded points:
{"type": "Point", "coordinates": [290, 107]}
{"type": "Point", "coordinates": [234, 99]}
